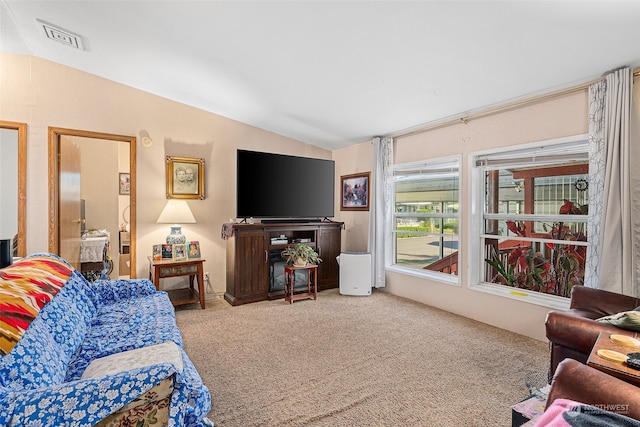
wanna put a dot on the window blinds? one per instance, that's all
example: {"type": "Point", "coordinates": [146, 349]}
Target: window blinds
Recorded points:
{"type": "Point", "coordinates": [567, 152]}
{"type": "Point", "coordinates": [440, 168]}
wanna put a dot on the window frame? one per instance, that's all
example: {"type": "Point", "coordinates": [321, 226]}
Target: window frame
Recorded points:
{"type": "Point", "coordinates": [478, 216]}
{"type": "Point", "coordinates": [425, 165]}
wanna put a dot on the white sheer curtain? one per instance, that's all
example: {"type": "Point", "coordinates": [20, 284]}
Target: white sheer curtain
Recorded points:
{"type": "Point", "coordinates": [597, 163]}
{"type": "Point", "coordinates": [612, 255]}
{"type": "Point", "coordinates": [380, 242]}
{"type": "Point", "coordinates": [634, 135]}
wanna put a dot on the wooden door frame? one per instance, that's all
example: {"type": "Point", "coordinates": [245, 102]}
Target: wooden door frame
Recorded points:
{"type": "Point", "coordinates": [54, 153]}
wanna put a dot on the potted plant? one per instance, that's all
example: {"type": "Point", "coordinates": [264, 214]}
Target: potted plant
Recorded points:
{"type": "Point", "coordinates": [300, 255]}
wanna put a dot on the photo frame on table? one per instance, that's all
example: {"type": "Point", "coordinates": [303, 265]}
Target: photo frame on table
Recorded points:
{"type": "Point", "coordinates": [185, 178]}
{"type": "Point", "coordinates": [157, 252]}
{"type": "Point", "coordinates": [355, 192]}
{"type": "Point", "coordinates": [124, 183]}
{"type": "Point", "coordinates": [179, 251]}
{"type": "Point", "coordinates": [167, 251]}
{"type": "Point", "coordinates": [193, 249]}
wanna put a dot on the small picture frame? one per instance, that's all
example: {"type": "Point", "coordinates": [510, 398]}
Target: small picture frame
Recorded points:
{"type": "Point", "coordinates": [193, 249]}
{"type": "Point", "coordinates": [354, 193]}
{"type": "Point", "coordinates": [185, 178]}
{"type": "Point", "coordinates": [167, 251]}
{"type": "Point", "coordinates": [124, 183]}
{"type": "Point", "coordinates": [179, 251]}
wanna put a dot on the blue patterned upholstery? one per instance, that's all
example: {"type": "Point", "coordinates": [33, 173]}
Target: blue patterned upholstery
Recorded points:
{"type": "Point", "coordinates": [40, 379]}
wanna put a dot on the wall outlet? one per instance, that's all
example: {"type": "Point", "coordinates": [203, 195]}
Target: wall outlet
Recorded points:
{"type": "Point", "coordinates": [206, 276]}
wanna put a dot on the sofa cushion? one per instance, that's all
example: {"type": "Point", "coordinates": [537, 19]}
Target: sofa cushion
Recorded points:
{"type": "Point", "coordinates": [25, 288]}
{"type": "Point", "coordinates": [629, 320]}
{"type": "Point", "coordinates": [126, 325]}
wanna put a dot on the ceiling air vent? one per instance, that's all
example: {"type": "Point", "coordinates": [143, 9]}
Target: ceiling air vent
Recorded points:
{"type": "Point", "coordinates": [58, 34]}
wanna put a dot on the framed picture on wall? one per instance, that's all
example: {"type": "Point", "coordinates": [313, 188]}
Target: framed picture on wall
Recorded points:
{"type": "Point", "coordinates": [185, 178]}
{"type": "Point", "coordinates": [354, 192]}
{"type": "Point", "coordinates": [124, 183]}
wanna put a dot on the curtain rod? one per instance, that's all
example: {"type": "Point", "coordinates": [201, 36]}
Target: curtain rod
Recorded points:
{"type": "Point", "coordinates": [509, 106]}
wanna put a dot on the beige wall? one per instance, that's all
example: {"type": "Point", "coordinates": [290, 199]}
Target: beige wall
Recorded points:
{"type": "Point", "coordinates": [42, 94]}
{"type": "Point", "coordinates": [547, 120]}
{"type": "Point", "coordinates": [355, 159]}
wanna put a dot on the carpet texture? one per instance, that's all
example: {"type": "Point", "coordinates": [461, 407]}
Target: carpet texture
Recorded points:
{"type": "Point", "coordinates": [379, 360]}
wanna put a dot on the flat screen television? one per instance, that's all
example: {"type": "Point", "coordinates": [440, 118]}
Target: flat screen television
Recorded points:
{"type": "Point", "coordinates": [284, 187]}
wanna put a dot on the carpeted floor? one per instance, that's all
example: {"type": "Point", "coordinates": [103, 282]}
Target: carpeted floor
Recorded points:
{"type": "Point", "coordinates": [356, 361]}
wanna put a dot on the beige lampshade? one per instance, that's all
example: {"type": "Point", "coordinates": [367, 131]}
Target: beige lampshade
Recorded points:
{"type": "Point", "coordinates": [176, 212]}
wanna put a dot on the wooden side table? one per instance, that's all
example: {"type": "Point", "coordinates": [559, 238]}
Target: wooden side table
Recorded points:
{"type": "Point", "coordinates": [160, 269]}
{"type": "Point", "coordinates": [289, 283]}
{"type": "Point", "coordinates": [617, 369]}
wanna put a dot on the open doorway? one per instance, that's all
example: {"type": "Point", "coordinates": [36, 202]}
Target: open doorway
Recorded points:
{"type": "Point", "coordinates": [92, 201]}
{"type": "Point", "coordinates": [13, 167]}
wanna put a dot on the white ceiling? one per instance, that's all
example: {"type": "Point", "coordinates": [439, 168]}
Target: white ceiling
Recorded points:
{"type": "Point", "coordinates": [334, 73]}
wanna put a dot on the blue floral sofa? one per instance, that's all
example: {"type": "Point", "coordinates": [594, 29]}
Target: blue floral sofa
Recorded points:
{"type": "Point", "coordinates": [55, 327]}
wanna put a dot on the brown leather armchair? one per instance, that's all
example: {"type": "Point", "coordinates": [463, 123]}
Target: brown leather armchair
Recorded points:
{"type": "Point", "coordinates": [581, 383]}
{"type": "Point", "coordinates": [573, 333]}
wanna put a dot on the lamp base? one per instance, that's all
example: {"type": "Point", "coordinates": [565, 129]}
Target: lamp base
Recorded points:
{"type": "Point", "coordinates": [176, 236]}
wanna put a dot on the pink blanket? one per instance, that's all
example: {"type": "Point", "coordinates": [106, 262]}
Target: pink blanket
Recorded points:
{"type": "Point", "coordinates": [568, 413]}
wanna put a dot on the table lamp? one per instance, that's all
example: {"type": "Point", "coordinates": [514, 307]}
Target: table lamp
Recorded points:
{"type": "Point", "coordinates": [176, 212]}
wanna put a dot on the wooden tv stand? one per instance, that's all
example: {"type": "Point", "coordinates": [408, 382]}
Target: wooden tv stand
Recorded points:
{"type": "Point", "coordinates": [250, 249]}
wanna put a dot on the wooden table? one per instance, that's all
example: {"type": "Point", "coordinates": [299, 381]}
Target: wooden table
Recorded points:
{"type": "Point", "coordinates": [617, 369]}
{"type": "Point", "coordinates": [289, 283]}
{"type": "Point", "coordinates": [160, 269]}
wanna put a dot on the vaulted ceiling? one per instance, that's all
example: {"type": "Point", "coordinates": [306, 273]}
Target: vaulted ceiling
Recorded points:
{"type": "Point", "coordinates": [331, 73]}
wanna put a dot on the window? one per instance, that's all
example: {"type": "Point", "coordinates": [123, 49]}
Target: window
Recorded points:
{"type": "Point", "coordinates": [426, 216]}
{"type": "Point", "coordinates": [533, 234]}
